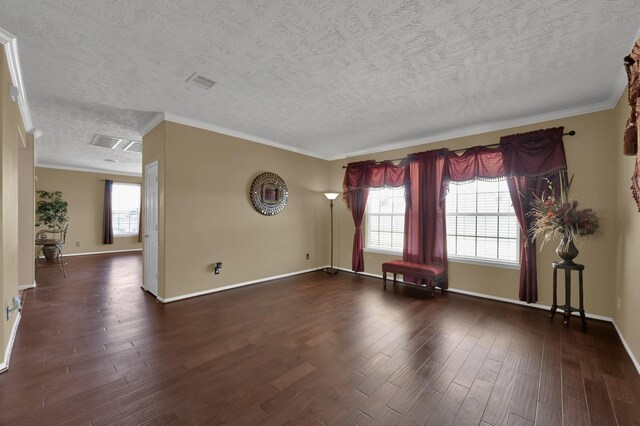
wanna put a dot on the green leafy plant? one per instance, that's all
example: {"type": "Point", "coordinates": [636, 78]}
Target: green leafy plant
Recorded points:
{"type": "Point", "coordinates": [51, 209]}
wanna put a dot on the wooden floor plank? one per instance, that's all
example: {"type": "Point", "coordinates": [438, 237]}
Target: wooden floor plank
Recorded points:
{"type": "Point", "coordinates": [445, 412]}
{"type": "Point", "coordinates": [471, 367]}
{"type": "Point", "coordinates": [473, 407]}
{"type": "Point", "coordinates": [548, 415]}
{"type": "Point", "coordinates": [498, 407]}
{"type": "Point", "coordinates": [94, 348]}
{"type": "Point", "coordinates": [574, 412]}
{"type": "Point", "coordinates": [409, 392]}
{"type": "Point", "coordinates": [525, 397]}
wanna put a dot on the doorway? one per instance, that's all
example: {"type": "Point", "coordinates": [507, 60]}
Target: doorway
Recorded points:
{"type": "Point", "coordinates": [151, 228]}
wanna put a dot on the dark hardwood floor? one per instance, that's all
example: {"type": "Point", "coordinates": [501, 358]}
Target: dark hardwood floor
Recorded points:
{"type": "Point", "coordinates": [312, 349]}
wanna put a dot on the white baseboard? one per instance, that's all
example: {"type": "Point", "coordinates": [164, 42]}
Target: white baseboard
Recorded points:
{"type": "Point", "coordinates": [95, 252]}
{"type": "Point", "coordinates": [519, 302]}
{"type": "Point", "coordinates": [27, 286]}
{"type": "Point", "coordinates": [7, 353]}
{"type": "Point", "coordinates": [242, 284]}
{"type": "Point", "coordinates": [487, 296]}
{"type": "Point", "coordinates": [626, 346]}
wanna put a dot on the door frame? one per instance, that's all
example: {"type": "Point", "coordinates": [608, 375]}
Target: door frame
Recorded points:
{"type": "Point", "coordinates": [146, 247]}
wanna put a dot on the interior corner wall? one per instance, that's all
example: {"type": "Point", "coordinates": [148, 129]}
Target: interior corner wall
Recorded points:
{"type": "Point", "coordinates": [84, 193]}
{"type": "Point", "coordinates": [209, 216]}
{"type": "Point", "coordinates": [627, 254]}
{"type": "Point", "coordinates": [591, 158]}
{"type": "Point", "coordinates": [10, 125]}
{"type": "Point", "coordinates": [26, 211]}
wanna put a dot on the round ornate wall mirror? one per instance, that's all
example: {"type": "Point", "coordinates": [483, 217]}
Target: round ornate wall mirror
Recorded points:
{"type": "Point", "coordinates": [269, 194]}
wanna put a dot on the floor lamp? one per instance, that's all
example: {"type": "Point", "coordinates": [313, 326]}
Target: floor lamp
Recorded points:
{"type": "Point", "coordinates": [331, 196]}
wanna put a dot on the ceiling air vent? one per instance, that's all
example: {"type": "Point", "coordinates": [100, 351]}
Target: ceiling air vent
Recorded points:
{"type": "Point", "coordinates": [105, 141]}
{"type": "Point", "coordinates": [134, 146]}
{"type": "Point", "coordinates": [200, 80]}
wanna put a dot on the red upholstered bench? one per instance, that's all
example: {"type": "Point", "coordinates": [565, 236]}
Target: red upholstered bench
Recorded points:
{"type": "Point", "coordinates": [431, 273]}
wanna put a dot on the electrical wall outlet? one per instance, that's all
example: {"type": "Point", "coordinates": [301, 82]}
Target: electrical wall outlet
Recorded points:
{"type": "Point", "coordinates": [307, 256]}
{"type": "Point", "coordinates": [217, 267]}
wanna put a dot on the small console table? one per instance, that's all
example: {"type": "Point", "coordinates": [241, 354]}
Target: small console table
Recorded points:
{"type": "Point", "coordinates": [567, 308]}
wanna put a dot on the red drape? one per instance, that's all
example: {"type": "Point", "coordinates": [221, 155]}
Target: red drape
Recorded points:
{"type": "Point", "coordinates": [358, 178]}
{"type": "Point", "coordinates": [107, 225]}
{"type": "Point", "coordinates": [519, 187]}
{"type": "Point", "coordinates": [529, 160]}
{"type": "Point", "coordinates": [425, 235]}
{"type": "Point", "coordinates": [358, 201]}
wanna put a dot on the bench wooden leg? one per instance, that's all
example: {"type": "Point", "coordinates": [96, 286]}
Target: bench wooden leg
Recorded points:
{"type": "Point", "coordinates": [384, 280]}
{"type": "Point", "coordinates": [394, 279]}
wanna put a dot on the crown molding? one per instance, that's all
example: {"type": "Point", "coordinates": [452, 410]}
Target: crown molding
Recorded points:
{"type": "Point", "coordinates": [610, 103]}
{"type": "Point", "coordinates": [87, 169]}
{"type": "Point", "coordinates": [484, 128]}
{"type": "Point", "coordinates": [236, 134]}
{"type": "Point", "coordinates": [157, 119]}
{"type": "Point", "coordinates": [13, 59]}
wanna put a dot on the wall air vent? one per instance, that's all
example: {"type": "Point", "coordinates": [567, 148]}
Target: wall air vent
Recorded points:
{"type": "Point", "coordinates": [134, 146]}
{"type": "Point", "coordinates": [200, 80]}
{"type": "Point", "coordinates": [105, 141]}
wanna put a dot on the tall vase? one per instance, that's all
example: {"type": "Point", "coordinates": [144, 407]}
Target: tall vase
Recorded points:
{"type": "Point", "coordinates": [567, 251]}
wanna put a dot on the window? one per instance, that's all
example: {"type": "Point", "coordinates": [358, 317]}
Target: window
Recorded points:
{"type": "Point", "coordinates": [481, 222]}
{"type": "Point", "coordinates": [125, 208]}
{"type": "Point", "coordinates": [385, 220]}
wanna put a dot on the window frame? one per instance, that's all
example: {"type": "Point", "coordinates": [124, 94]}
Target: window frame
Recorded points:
{"type": "Point", "coordinates": [129, 234]}
{"type": "Point", "coordinates": [367, 248]}
{"type": "Point", "coordinates": [475, 260]}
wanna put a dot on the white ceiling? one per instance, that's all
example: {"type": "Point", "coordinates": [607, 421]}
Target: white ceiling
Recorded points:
{"type": "Point", "coordinates": [330, 78]}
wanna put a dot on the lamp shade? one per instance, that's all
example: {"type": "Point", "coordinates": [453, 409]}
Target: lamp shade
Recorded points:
{"type": "Point", "coordinates": [331, 195]}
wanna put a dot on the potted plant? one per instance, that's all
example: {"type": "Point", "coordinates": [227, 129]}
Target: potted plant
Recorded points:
{"type": "Point", "coordinates": [51, 209]}
{"type": "Point", "coordinates": [562, 218]}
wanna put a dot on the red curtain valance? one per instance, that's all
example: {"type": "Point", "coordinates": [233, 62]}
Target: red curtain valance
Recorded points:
{"type": "Point", "coordinates": [538, 153]}
{"type": "Point", "coordinates": [369, 174]}
{"type": "Point", "coordinates": [534, 154]}
{"type": "Point", "coordinates": [475, 163]}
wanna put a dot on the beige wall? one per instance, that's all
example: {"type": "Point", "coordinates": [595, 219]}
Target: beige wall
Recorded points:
{"type": "Point", "coordinates": [627, 315]}
{"type": "Point", "coordinates": [26, 211]}
{"type": "Point", "coordinates": [84, 191]}
{"type": "Point", "coordinates": [10, 126]}
{"type": "Point", "coordinates": [591, 156]}
{"type": "Point", "coordinates": [208, 216]}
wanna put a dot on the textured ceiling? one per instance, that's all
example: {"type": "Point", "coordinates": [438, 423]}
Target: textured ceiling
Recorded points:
{"type": "Point", "coordinates": [326, 77]}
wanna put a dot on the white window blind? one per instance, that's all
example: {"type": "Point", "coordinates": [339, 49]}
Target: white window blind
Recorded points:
{"type": "Point", "coordinates": [481, 222]}
{"type": "Point", "coordinates": [385, 219]}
